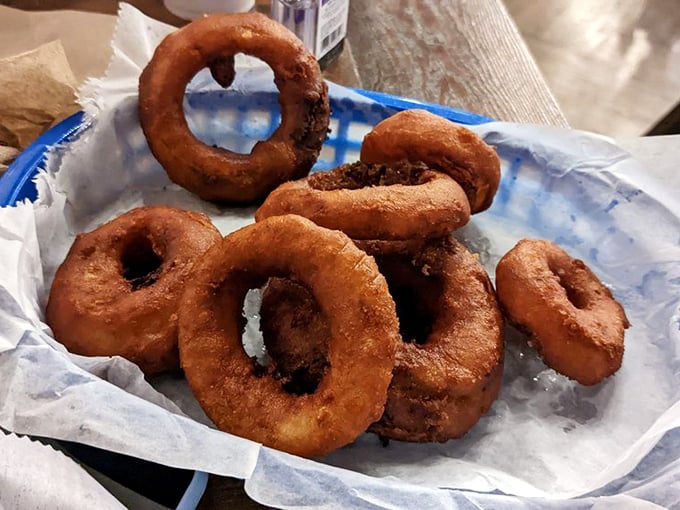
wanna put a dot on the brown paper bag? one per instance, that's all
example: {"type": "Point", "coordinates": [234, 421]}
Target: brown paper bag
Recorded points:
{"type": "Point", "coordinates": [37, 89]}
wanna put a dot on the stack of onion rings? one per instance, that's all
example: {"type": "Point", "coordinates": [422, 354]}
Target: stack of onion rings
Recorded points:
{"type": "Point", "coordinates": [398, 209]}
{"type": "Point", "coordinates": [449, 365]}
{"type": "Point", "coordinates": [218, 174]}
{"type": "Point", "coordinates": [447, 375]}
{"type": "Point", "coordinates": [396, 202]}
{"type": "Point", "coordinates": [341, 362]}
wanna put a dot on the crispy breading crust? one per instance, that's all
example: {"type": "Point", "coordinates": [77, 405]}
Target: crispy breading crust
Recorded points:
{"type": "Point", "coordinates": [574, 321]}
{"type": "Point", "coordinates": [94, 310]}
{"type": "Point", "coordinates": [396, 201]}
{"type": "Point", "coordinates": [350, 291]}
{"type": "Point", "coordinates": [214, 173]}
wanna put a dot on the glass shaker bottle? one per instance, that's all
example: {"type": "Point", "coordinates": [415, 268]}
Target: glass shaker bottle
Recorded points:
{"type": "Point", "coordinates": [320, 24]}
{"type": "Point", "coordinates": [192, 9]}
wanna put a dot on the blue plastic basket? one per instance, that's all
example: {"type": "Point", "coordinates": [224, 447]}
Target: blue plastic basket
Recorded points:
{"type": "Point", "coordinates": [17, 183]}
{"type": "Point", "coordinates": [542, 194]}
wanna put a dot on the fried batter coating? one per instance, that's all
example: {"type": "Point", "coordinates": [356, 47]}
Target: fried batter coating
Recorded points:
{"type": "Point", "coordinates": [575, 323]}
{"type": "Point", "coordinates": [396, 201]}
{"type": "Point", "coordinates": [118, 290]}
{"type": "Point", "coordinates": [235, 393]}
{"type": "Point", "coordinates": [447, 375]}
{"type": "Point", "coordinates": [449, 365]}
{"type": "Point", "coordinates": [214, 173]}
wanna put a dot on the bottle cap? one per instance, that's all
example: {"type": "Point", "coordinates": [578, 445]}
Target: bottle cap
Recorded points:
{"type": "Point", "coordinates": [192, 9]}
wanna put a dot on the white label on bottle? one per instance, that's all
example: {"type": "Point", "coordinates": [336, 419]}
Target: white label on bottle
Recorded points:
{"type": "Point", "coordinates": [331, 26]}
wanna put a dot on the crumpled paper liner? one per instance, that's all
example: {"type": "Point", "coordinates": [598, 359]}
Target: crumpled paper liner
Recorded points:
{"type": "Point", "coordinates": [37, 90]}
{"type": "Point", "coordinates": [33, 475]}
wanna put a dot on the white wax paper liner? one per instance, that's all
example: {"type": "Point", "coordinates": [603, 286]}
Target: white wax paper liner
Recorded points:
{"type": "Point", "coordinates": [33, 475]}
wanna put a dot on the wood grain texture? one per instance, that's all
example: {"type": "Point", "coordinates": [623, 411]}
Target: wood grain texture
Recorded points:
{"type": "Point", "coordinates": [344, 69]}
{"type": "Point", "coordinates": [462, 53]}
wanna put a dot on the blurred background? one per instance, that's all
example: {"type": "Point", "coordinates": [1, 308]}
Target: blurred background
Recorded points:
{"type": "Point", "coordinates": [613, 65]}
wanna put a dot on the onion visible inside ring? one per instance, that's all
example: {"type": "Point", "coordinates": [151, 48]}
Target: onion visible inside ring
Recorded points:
{"type": "Point", "coordinates": [359, 175]}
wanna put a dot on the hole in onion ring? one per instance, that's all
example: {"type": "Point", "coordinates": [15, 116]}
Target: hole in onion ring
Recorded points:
{"type": "Point", "coordinates": [232, 126]}
{"type": "Point", "coordinates": [296, 333]}
{"type": "Point", "coordinates": [415, 296]}
{"type": "Point", "coordinates": [576, 295]}
{"type": "Point", "coordinates": [252, 339]}
{"type": "Point", "coordinates": [414, 326]}
{"type": "Point", "coordinates": [140, 264]}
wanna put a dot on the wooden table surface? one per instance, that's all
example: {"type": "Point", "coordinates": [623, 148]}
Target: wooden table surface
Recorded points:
{"type": "Point", "coordinates": [466, 54]}
{"type": "Point", "coordinates": [462, 53]}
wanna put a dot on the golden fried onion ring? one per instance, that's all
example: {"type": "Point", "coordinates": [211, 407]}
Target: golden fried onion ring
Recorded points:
{"type": "Point", "coordinates": [421, 136]}
{"type": "Point", "coordinates": [396, 201]}
{"type": "Point", "coordinates": [118, 290]}
{"type": "Point", "coordinates": [364, 336]}
{"type": "Point", "coordinates": [574, 321]}
{"type": "Point", "coordinates": [215, 173]}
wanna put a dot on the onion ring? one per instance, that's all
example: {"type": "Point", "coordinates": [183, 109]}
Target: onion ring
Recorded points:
{"type": "Point", "coordinates": [118, 289]}
{"type": "Point", "coordinates": [574, 321]}
{"type": "Point", "coordinates": [400, 201]}
{"type": "Point", "coordinates": [418, 135]}
{"type": "Point", "coordinates": [441, 388]}
{"type": "Point", "coordinates": [448, 369]}
{"type": "Point", "coordinates": [364, 336]}
{"type": "Point", "coordinates": [218, 174]}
